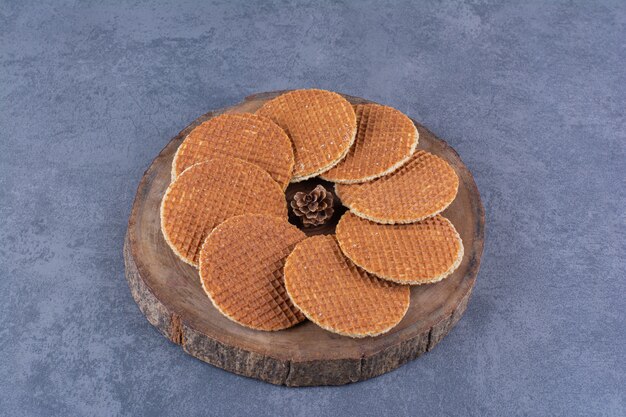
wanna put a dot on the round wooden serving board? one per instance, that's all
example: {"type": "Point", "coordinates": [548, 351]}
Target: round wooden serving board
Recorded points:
{"type": "Point", "coordinates": [169, 294]}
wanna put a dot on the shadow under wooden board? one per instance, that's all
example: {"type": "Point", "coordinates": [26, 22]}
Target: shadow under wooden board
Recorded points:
{"type": "Point", "coordinates": [169, 293]}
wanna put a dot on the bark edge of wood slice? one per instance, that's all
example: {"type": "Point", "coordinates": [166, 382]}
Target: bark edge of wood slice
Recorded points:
{"type": "Point", "coordinates": [169, 294]}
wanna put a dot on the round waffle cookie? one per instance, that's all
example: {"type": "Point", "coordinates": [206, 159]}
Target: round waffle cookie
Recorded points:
{"type": "Point", "coordinates": [241, 270]}
{"type": "Point", "coordinates": [416, 253]}
{"type": "Point", "coordinates": [255, 139]}
{"type": "Point", "coordinates": [423, 187]}
{"type": "Point", "coordinates": [206, 194]}
{"type": "Point", "coordinates": [385, 140]}
{"type": "Point", "coordinates": [321, 125]}
{"type": "Point", "coordinates": [338, 296]}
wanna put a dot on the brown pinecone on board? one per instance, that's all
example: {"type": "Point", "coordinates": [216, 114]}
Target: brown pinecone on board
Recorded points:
{"type": "Point", "coordinates": [314, 208]}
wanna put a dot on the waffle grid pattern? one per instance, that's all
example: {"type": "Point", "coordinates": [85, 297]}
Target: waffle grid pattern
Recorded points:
{"type": "Point", "coordinates": [321, 125]}
{"type": "Point", "coordinates": [337, 295]}
{"type": "Point", "coordinates": [208, 193]}
{"type": "Point", "coordinates": [423, 187]}
{"type": "Point", "coordinates": [252, 138]}
{"type": "Point", "coordinates": [385, 140]}
{"type": "Point", "coordinates": [241, 268]}
{"type": "Point", "coordinates": [417, 253]}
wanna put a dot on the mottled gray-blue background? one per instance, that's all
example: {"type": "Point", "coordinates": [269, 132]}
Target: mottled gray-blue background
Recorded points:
{"type": "Point", "coordinates": [531, 94]}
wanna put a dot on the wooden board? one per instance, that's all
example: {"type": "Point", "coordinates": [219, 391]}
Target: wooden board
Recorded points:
{"type": "Point", "coordinates": [169, 294]}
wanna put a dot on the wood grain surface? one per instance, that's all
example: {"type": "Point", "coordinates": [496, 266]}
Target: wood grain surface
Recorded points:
{"type": "Point", "coordinates": [169, 294]}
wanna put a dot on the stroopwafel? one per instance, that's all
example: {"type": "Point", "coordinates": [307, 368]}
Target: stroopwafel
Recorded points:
{"type": "Point", "coordinates": [206, 194]}
{"type": "Point", "coordinates": [253, 138]}
{"type": "Point", "coordinates": [421, 188]}
{"type": "Point", "coordinates": [339, 296]}
{"type": "Point", "coordinates": [321, 125]}
{"type": "Point", "coordinates": [241, 270]}
{"type": "Point", "coordinates": [385, 140]}
{"type": "Point", "coordinates": [416, 253]}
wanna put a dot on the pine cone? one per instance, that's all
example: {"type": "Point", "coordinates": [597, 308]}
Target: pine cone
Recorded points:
{"type": "Point", "coordinates": [314, 208]}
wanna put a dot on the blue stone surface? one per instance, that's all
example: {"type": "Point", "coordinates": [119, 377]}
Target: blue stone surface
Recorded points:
{"type": "Point", "coordinates": [531, 94]}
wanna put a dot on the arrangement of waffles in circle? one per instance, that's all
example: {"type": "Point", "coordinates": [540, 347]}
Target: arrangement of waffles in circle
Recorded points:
{"type": "Point", "coordinates": [362, 224]}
